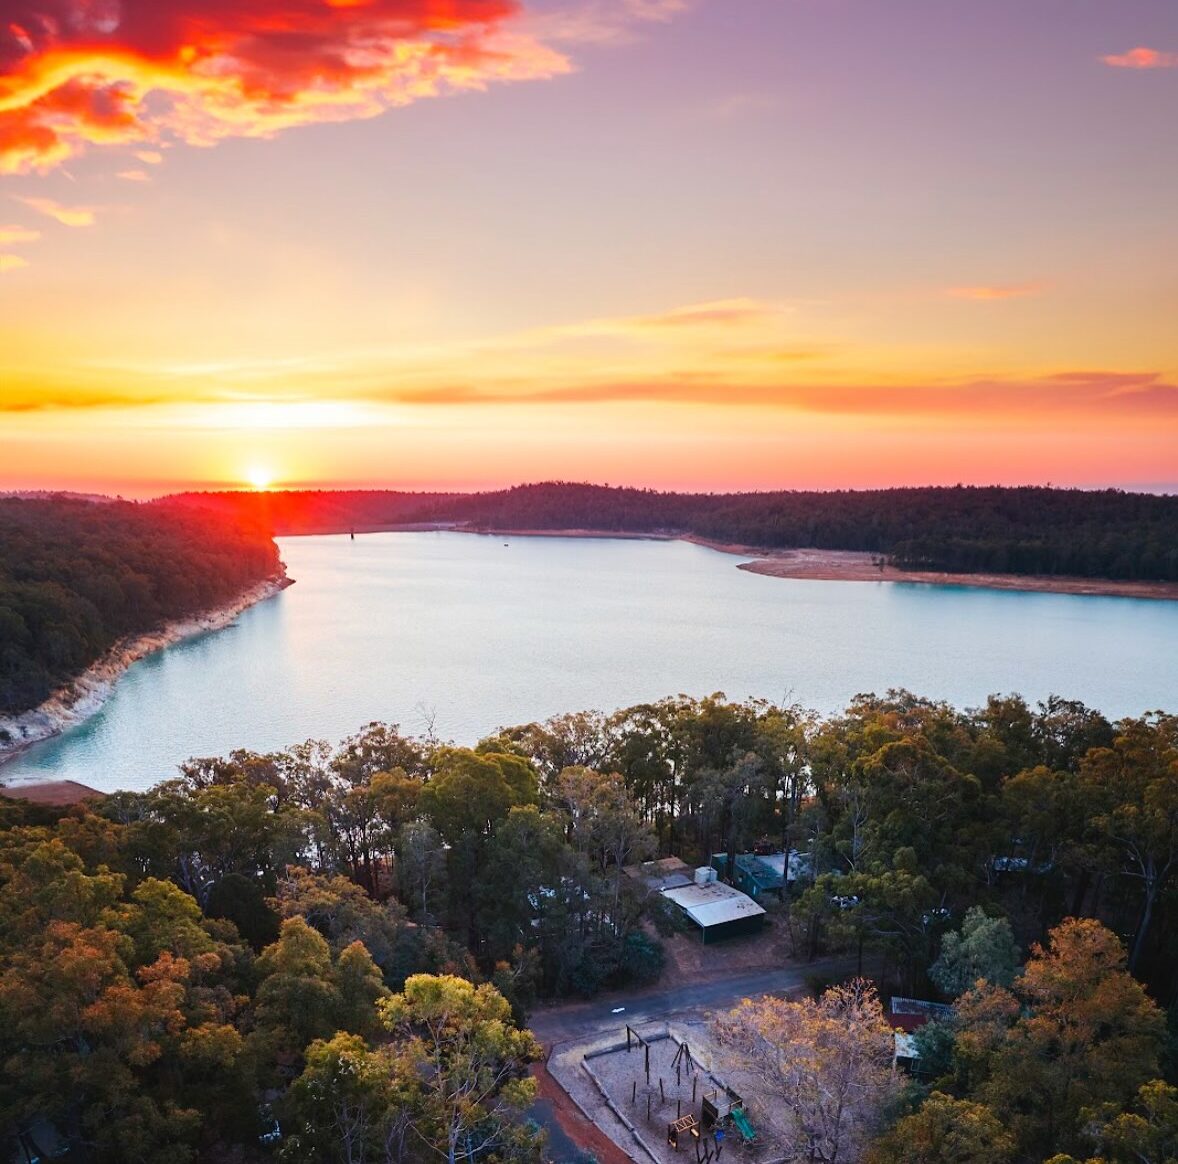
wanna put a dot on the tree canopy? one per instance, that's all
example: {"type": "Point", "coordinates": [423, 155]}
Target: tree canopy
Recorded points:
{"type": "Point", "coordinates": [294, 935]}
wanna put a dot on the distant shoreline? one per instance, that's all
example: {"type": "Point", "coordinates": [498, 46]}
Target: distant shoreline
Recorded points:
{"type": "Point", "coordinates": [80, 698]}
{"type": "Point", "coordinates": [816, 565]}
{"type": "Point", "coordinates": [857, 566]}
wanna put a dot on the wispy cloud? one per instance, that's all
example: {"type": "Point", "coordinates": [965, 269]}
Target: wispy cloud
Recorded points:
{"type": "Point", "coordinates": [11, 263]}
{"type": "Point", "coordinates": [1066, 394]}
{"type": "Point", "coordinates": [134, 175]}
{"type": "Point", "coordinates": [14, 235]}
{"type": "Point", "coordinates": [988, 292]}
{"type": "Point", "coordinates": [1142, 58]}
{"type": "Point", "coordinates": [598, 22]}
{"type": "Point", "coordinates": [719, 315]}
{"type": "Point", "coordinates": [720, 311]}
{"type": "Point", "coordinates": [66, 215]}
{"type": "Point", "coordinates": [69, 400]}
{"type": "Point", "coordinates": [75, 73]}
{"type": "Point", "coordinates": [739, 105]}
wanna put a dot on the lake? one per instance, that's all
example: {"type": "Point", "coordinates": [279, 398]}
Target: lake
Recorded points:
{"type": "Point", "coordinates": [470, 634]}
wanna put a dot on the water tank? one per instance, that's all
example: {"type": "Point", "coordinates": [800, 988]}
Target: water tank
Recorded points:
{"type": "Point", "coordinates": [705, 875]}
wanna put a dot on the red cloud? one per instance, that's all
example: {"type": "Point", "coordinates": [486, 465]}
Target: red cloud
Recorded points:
{"type": "Point", "coordinates": [74, 72]}
{"type": "Point", "coordinates": [1142, 58]}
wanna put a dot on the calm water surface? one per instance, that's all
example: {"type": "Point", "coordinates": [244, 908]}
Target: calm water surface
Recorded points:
{"type": "Point", "coordinates": [477, 635]}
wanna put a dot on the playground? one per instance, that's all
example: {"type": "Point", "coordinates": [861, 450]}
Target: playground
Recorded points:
{"type": "Point", "coordinates": [660, 1100]}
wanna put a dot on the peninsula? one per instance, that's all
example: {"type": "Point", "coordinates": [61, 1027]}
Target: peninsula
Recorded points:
{"type": "Point", "coordinates": [87, 587]}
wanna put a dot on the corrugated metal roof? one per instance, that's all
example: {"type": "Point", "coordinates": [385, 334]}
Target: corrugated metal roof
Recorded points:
{"type": "Point", "coordinates": [923, 1007]}
{"type": "Point", "coordinates": [714, 904]}
{"type": "Point", "coordinates": [767, 870]}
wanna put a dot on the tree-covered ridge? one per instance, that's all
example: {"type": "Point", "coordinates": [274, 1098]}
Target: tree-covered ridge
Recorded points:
{"type": "Point", "coordinates": [1027, 530]}
{"type": "Point", "coordinates": [76, 576]}
{"type": "Point", "coordinates": [312, 511]}
{"type": "Point", "coordinates": [350, 937]}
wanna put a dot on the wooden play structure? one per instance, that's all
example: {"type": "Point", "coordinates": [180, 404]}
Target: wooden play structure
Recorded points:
{"type": "Point", "coordinates": [721, 1108]}
{"type": "Point", "coordinates": [704, 1119]}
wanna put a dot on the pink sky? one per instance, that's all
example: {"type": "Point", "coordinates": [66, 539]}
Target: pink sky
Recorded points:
{"type": "Point", "coordinates": [685, 243]}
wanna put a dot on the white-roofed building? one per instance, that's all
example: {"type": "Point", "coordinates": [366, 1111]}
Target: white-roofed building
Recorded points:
{"type": "Point", "coordinates": [719, 910]}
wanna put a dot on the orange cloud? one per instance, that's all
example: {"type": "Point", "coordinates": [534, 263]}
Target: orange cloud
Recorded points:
{"type": "Point", "coordinates": [66, 215]}
{"type": "Point", "coordinates": [988, 293]}
{"type": "Point", "coordinates": [79, 72]}
{"type": "Point", "coordinates": [134, 175]}
{"type": "Point", "coordinates": [1142, 58]}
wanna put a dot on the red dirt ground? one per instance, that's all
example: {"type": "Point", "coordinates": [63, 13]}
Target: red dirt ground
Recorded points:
{"type": "Point", "coordinates": [581, 1131]}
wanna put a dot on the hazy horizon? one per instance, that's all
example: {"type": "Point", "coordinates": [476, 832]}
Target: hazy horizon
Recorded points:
{"type": "Point", "coordinates": [155, 494]}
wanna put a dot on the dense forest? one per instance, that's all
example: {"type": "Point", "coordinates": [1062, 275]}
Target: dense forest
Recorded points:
{"type": "Point", "coordinates": [348, 939]}
{"type": "Point", "coordinates": [323, 510]}
{"type": "Point", "coordinates": [1028, 530]}
{"type": "Point", "coordinates": [75, 576]}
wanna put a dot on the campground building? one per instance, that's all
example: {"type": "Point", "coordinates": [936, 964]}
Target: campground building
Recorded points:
{"type": "Point", "coordinates": [718, 911]}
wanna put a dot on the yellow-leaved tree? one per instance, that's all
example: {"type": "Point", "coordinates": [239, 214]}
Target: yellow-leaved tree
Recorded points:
{"type": "Point", "coordinates": [828, 1062]}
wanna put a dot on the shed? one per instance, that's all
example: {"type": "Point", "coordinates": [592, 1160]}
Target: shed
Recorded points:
{"type": "Point", "coordinates": [910, 1014]}
{"type": "Point", "coordinates": [760, 873]}
{"type": "Point", "coordinates": [719, 910]}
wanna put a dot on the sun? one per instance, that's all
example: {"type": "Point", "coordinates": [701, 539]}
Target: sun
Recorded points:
{"type": "Point", "coordinates": [259, 478]}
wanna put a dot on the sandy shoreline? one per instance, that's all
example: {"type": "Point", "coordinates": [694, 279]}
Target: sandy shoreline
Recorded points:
{"type": "Point", "coordinates": [860, 566]}
{"type": "Point", "coordinates": [83, 696]}
{"type": "Point", "coordinates": [854, 566]}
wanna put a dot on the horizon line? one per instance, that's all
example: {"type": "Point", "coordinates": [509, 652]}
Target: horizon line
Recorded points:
{"type": "Point", "coordinates": [1152, 489]}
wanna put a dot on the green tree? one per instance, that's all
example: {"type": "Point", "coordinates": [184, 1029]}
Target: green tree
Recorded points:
{"type": "Point", "coordinates": [297, 996]}
{"type": "Point", "coordinates": [945, 1130]}
{"type": "Point", "coordinates": [519, 889]}
{"type": "Point", "coordinates": [421, 869]}
{"type": "Point", "coordinates": [983, 949]}
{"type": "Point", "coordinates": [1089, 1034]}
{"type": "Point", "coordinates": [1135, 784]}
{"type": "Point", "coordinates": [472, 1063]}
{"type": "Point", "coordinates": [360, 987]}
{"type": "Point", "coordinates": [470, 793]}
{"type": "Point", "coordinates": [1146, 1134]}
{"type": "Point", "coordinates": [351, 1104]}
{"type": "Point", "coordinates": [303, 995]}
{"type": "Point", "coordinates": [344, 913]}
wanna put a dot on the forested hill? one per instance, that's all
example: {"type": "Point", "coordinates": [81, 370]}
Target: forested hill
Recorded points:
{"type": "Point", "coordinates": [1027, 530]}
{"type": "Point", "coordinates": [77, 576]}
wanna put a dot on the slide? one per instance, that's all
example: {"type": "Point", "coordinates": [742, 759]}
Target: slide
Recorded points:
{"type": "Point", "coordinates": [747, 1132]}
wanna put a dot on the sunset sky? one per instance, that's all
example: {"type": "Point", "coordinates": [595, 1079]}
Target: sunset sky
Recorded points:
{"type": "Point", "coordinates": [682, 243]}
